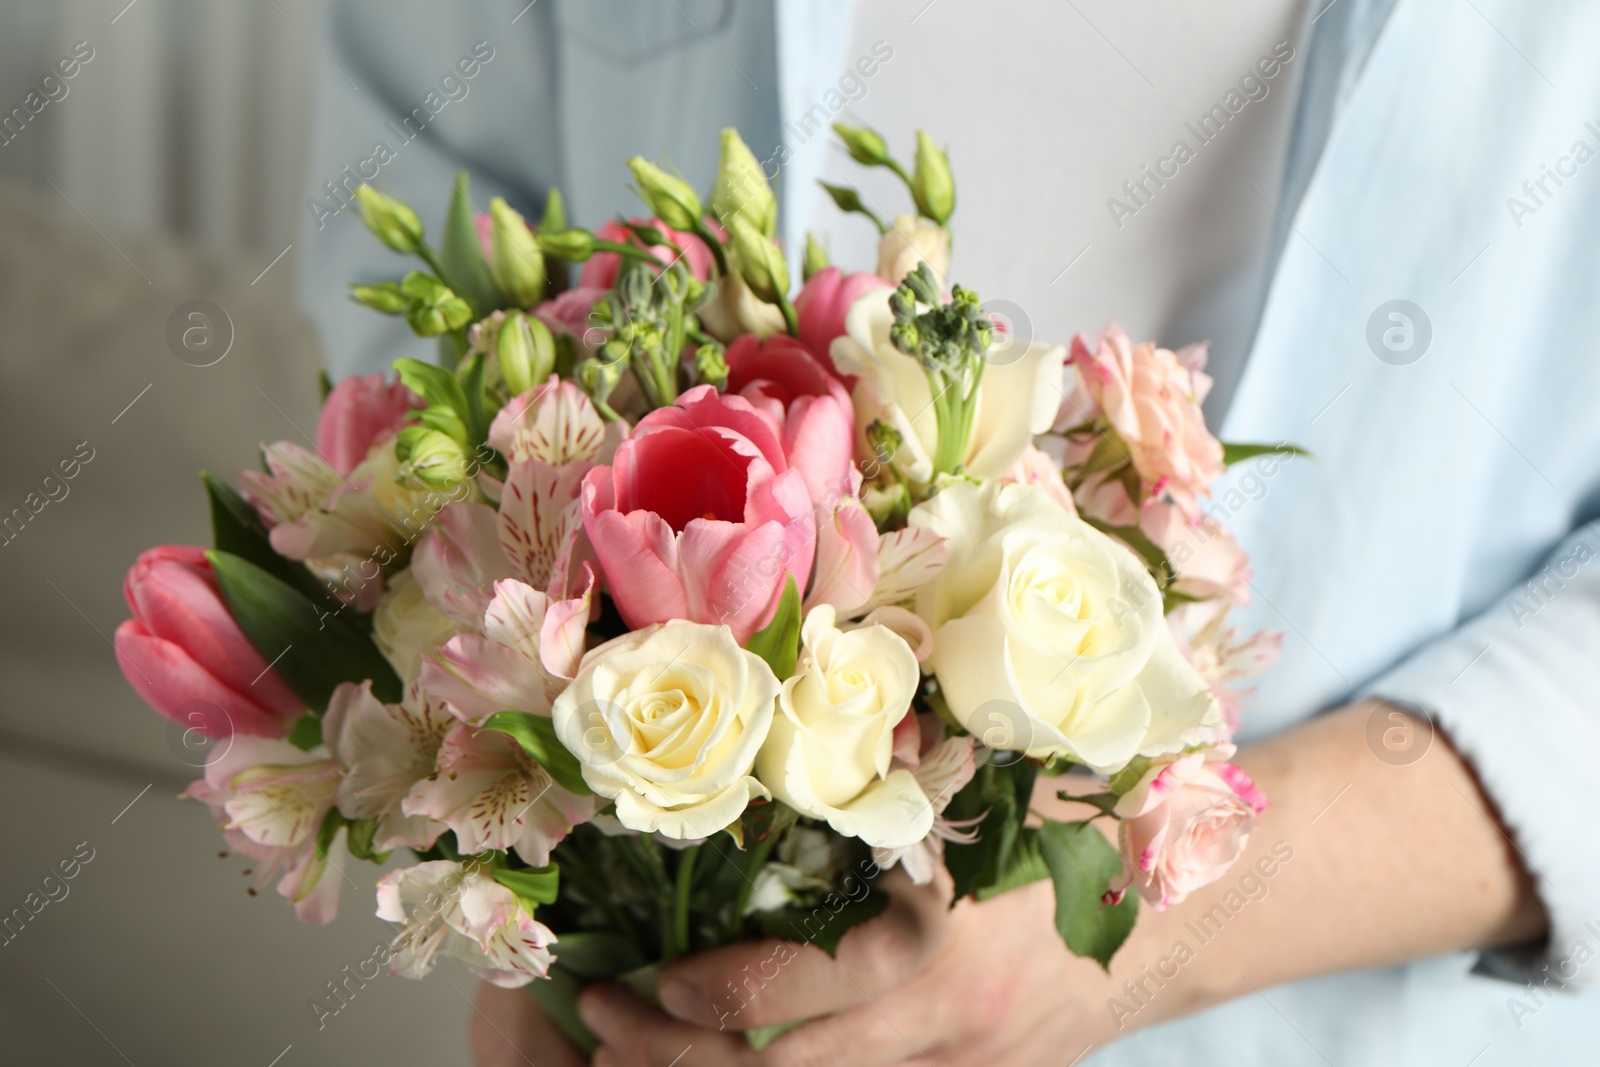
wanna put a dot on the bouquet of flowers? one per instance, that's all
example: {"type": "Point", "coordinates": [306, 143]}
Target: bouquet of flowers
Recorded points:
{"type": "Point", "coordinates": [667, 610]}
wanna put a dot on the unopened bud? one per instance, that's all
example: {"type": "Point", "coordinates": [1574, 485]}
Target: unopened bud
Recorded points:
{"type": "Point", "coordinates": [430, 457]}
{"type": "Point", "coordinates": [760, 262]}
{"type": "Point", "coordinates": [710, 364]}
{"type": "Point", "coordinates": [432, 308]}
{"type": "Point", "coordinates": [816, 258]}
{"type": "Point", "coordinates": [573, 245]}
{"type": "Point", "coordinates": [932, 187]}
{"type": "Point", "coordinates": [671, 199]}
{"type": "Point", "coordinates": [395, 224]}
{"type": "Point", "coordinates": [598, 377]}
{"type": "Point", "coordinates": [384, 296]}
{"type": "Point", "coordinates": [514, 257]}
{"type": "Point", "coordinates": [865, 145]}
{"type": "Point", "coordinates": [525, 352]}
{"type": "Point", "coordinates": [741, 188]}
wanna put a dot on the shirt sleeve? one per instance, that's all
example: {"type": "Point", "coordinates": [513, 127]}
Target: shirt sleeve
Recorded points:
{"type": "Point", "coordinates": [1517, 690]}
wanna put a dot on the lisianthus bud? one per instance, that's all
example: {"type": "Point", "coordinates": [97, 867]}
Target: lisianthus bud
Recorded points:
{"type": "Point", "coordinates": [525, 352]}
{"type": "Point", "coordinates": [864, 144]}
{"type": "Point", "coordinates": [432, 307]}
{"type": "Point", "coordinates": [384, 296]}
{"type": "Point", "coordinates": [572, 245]}
{"type": "Point", "coordinates": [395, 224]}
{"type": "Point", "coordinates": [514, 257]}
{"type": "Point", "coordinates": [710, 364]}
{"type": "Point", "coordinates": [555, 212]}
{"type": "Point", "coordinates": [816, 258]}
{"type": "Point", "coordinates": [742, 188]}
{"type": "Point", "coordinates": [430, 457]}
{"type": "Point", "coordinates": [671, 199]}
{"type": "Point", "coordinates": [931, 184]}
{"type": "Point", "coordinates": [760, 262]}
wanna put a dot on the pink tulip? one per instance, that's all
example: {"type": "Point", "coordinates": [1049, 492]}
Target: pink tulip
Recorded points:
{"type": "Point", "coordinates": [1183, 825]}
{"type": "Point", "coordinates": [808, 406]}
{"type": "Point", "coordinates": [183, 653]}
{"type": "Point", "coordinates": [699, 516]}
{"type": "Point", "coordinates": [822, 304]}
{"type": "Point", "coordinates": [600, 272]}
{"type": "Point", "coordinates": [360, 412]}
{"type": "Point", "coordinates": [569, 314]}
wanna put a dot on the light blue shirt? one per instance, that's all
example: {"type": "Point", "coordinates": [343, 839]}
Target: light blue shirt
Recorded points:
{"type": "Point", "coordinates": [1447, 475]}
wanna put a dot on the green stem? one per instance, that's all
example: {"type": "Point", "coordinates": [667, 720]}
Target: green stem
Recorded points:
{"type": "Point", "coordinates": [431, 258]}
{"type": "Point", "coordinates": [703, 232]}
{"type": "Point", "coordinates": [680, 903]}
{"type": "Point", "coordinates": [895, 166]}
{"type": "Point", "coordinates": [791, 320]}
{"type": "Point", "coordinates": [758, 856]}
{"type": "Point", "coordinates": [632, 251]}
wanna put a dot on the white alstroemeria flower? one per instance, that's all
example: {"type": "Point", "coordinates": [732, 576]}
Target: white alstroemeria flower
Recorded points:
{"type": "Point", "coordinates": [270, 799]}
{"type": "Point", "coordinates": [461, 912]}
{"type": "Point", "coordinates": [406, 627]}
{"type": "Point", "coordinates": [387, 749]}
{"type": "Point", "coordinates": [942, 772]}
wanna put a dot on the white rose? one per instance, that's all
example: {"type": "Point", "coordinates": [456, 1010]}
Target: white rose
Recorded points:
{"type": "Point", "coordinates": [1016, 398]}
{"type": "Point", "coordinates": [913, 239]}
{"type": "Point", "coordinates": [406, 626]}
{"type": "Point", "coordinates": [667, 720]}
{"type": "Point", "coordinates": [828, 753]}
{"type": "Point", "coordinates": [1049, 635]}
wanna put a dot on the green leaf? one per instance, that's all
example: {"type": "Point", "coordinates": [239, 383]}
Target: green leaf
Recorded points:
{"type": "Point", "coordinates": [779, 641]}
{"type": "Point", "coordinates": [236, 528]}
{"type": "Point", "coordinates": [1024, 866]}
{"type": "Point", "coordinates": [554, 219]}
{"type": "Point", "coordinates": [821, 925]}
{"type": "Point", "coordinates": [461, 254]}
{"type": "Point", "coordinates": [999, 795]}
{"type": "Point", "coordinates": [1154, 558]}
{"type": "Point", "coordinates": [537, 736]}
{"type": "Point", "coordinates": [471, 377]}
{"type": "Point", "coordinates": [307, 732]}
{"type": "Point", "coordinates": [360, 840]}
{"type": "Point", "coordinates": [292, 634]}
{"type": "Point", "coordinates": [439, 387]}
{"type": "Point", "coordinates": [1108, 454]}
{"type": "Point", "coordinates": [1238, 453]}
{"type": "Point", "coordinates": [541, 885]}
{"type": "Point", "coordinates": [1082, 864]}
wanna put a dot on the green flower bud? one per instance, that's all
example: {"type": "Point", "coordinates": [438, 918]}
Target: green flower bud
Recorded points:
{"type": "Point", "coordinates": [434, 459]}
{"type": "Point", "coordinates": [711, 365]}
{"type": "Point", "coordinates": [395, 224]}
{"type": "Point", "coordinates": [741, 187]}
{"type": "Point", "coordinates": [514, 257]}
{"type": "Point", "coordinates": [555, 212]}
{"type": "Point", "coordinates": [671, 199]}
{"type": "Point", "coordinates": [384, 296]}
{"type": "Point", "coordinates": [885, 440]}
{"type": "Point", "coordinates": [759, 260]}
{"type": "Point", "coordinates": [864, 144]}
{"type": "Point", "coordinates": [888, 505]}
{"type": "Point", "coordinates": [525, 352]}
{"type": "Point", "coordinates": [932, 187]}
{"type": "Point", "coordinates": [816, 258]}
{"type": "Point", "coordinates": [572, 245]}
{"type": "Point", "coordinates": [432, 308]}
{"type": "Point", "coordinates": [597, 378]}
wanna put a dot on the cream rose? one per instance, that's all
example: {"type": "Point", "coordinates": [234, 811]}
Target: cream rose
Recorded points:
{"type": "Point", "coordinates": [406, 626]}
{"type": "Point", "coordinates": [832, 739]}
{"type": "Point", "coordinates": [1048, 636]}
{"type": "Point", "coordinates": [667, 720]}
{"type": "Point", "coordinates": [911, 240]}
{"type": "Point", "coordinates": [1016, 399]}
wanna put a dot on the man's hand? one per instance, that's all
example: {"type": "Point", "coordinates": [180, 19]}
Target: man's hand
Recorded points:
{"type": "Point", "coordinates": [986, 984]}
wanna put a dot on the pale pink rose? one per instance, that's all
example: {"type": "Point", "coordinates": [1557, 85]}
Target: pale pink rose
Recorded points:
{"type": "Point", "coordinates": [1209, 562]}
{"type": "Point", "coordinates": [699, 516]}
{"type": "Point", "coordinates": [1182, 827]}
{"type": "Point", "coordinates": [808, 407]}
{"type": "Point", "coordinates": [1153, 400]}
{"type": "Point", "coordinates": [569, 314]}
{"type": "Point", "coordinates": [600, 272]}
{"type": "Point", "coordinates": [186, 657]}
{"type": "Point", "coordinates": [1035, 467]}
{"type": "Point", "coordinates": [359, 412]}
{"type": "Point", "coordinates": [822, 304]}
